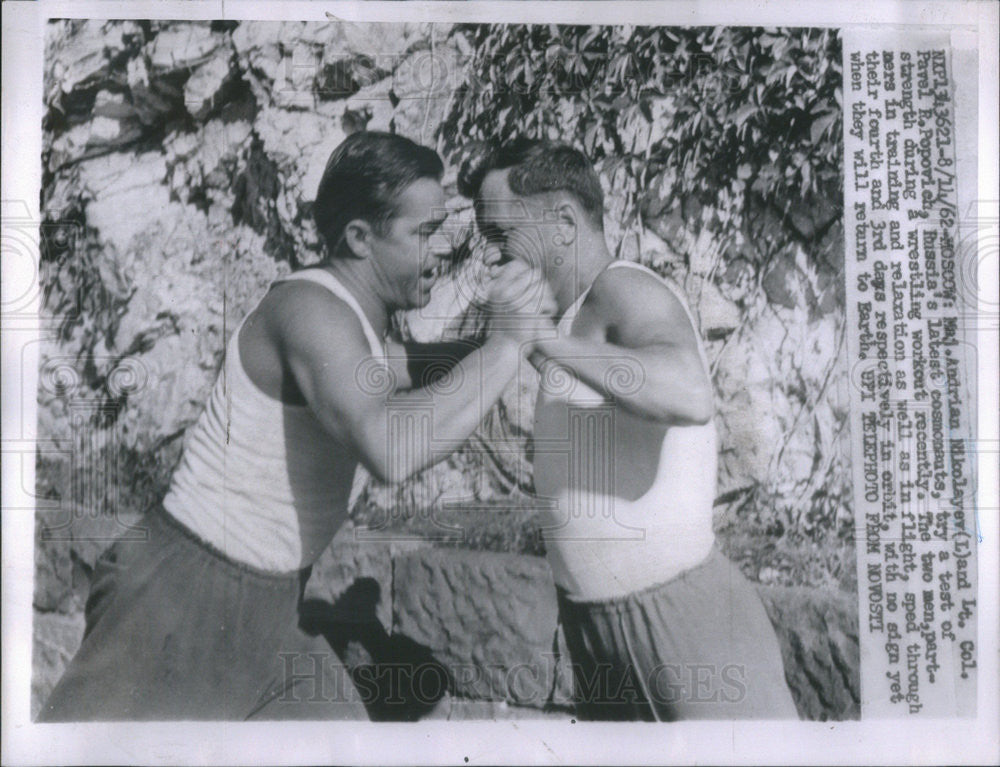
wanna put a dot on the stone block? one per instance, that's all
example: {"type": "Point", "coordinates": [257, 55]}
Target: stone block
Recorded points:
{"type": "Point", "coordinates": [126, 194]}
{"type": "Point", "coordinates": [67, 545]}
{"type": "Point", "coordinates": [182, 46]}
{"type": "Point", "coordinates": [354, 575]}
{"type": "Point", "coordinates": [489, 619]}
{"type": "Point", "coordinates": [56, 640]}
{"type": "Point", "coordinates": [81, 52]}
{"type": "Point", "coordinates": [204, 86]}
{"type": "Point", "coordinates": [818, 632]}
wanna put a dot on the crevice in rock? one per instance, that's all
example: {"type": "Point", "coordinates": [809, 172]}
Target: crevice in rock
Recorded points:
{"type": "Point", "coordinates": [255, 190]}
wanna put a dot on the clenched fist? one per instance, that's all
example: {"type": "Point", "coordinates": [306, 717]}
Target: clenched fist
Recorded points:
{"type": "Point", "coordinates": [519, 301]}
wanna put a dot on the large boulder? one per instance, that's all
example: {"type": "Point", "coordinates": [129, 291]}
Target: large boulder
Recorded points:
{"type": "Point", "coordinates": [818, 631]}
{"type": "Point", "coordinates": [56, 638]}
{"type": "Point", "coordinates": [183, 46]}
{"type": "Point", "coordinates": [82, 55]}
{"type": "Point", "coordinates": [68, 543]}
{"type": "Point", "coordinates": [354, 577]}
{"type": "Point", "coordinates": [276, 188]}
{"type": "Point", "coordinates": [205, 88]}
{"type": "Point", "coordinates": [489, 619]}
{"type": "Point", "coordinates": [125, 193]}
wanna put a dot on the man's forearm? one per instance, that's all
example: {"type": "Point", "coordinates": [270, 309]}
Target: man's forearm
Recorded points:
{"type": "Point", "coordinates": [427, 363]}
{"type": "Point", "coordinates": [662, 381]}
{"type": "Point", "coordinates": [454, 409]}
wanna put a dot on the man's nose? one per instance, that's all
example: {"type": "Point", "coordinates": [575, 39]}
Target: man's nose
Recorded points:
{"type": "Point", "coordinates": [437, 247]}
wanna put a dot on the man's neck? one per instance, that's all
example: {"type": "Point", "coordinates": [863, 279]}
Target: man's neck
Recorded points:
{"type": "Point", "coordinates": [578, 273]}
{"type": "Point", "coordinates": [357, 276]}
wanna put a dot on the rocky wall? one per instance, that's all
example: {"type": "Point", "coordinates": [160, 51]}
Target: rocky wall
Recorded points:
{"type": "Point", "coordinates": [180, 161]}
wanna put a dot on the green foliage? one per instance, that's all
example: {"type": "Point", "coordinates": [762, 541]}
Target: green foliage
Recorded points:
{"type": "Point", "coordinates": [738, 121]}
{"type": "Point", "coordinates": [79, 286]}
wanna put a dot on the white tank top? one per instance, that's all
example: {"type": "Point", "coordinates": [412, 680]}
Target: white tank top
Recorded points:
{"type": "Point", "coordinates": [261, 480]}
{"type": "Point", "coordinates": [604, 539]}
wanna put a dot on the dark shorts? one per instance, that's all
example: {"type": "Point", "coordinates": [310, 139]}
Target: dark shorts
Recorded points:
{"type": "Point", "coordinates": [700, 646]}
{"type": "Point", "coordinates": [175, 630]}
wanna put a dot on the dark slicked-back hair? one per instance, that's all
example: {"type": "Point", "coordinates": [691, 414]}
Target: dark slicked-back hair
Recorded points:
{"type": "Point", "coordinates": [537, 167]}
{"type": "Point", "coordinates": [363, 179]}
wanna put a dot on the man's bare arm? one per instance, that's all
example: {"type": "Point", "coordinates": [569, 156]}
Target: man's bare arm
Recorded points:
{"type": "Point", "coordinates": [648, 361]}
{"type": "Point", "coordinates": [417, 365]}
{"type": "Point", "coordinates": [325, 348]}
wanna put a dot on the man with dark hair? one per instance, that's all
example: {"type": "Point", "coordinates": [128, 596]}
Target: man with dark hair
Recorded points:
{"type": "Point", "coordinates": [362, 180]}
{"type": "Point", "coordinates": [539, 167]}
{"type": "Point", "coordinates": [659, 624]}
{"type": "Point", "coordinates": [200, 621]}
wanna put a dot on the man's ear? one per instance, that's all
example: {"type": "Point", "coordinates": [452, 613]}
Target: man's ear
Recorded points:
{"type": "Point", "coordinates": [358, 236]}
{"type": "Point", "coordinates": [566, 223]}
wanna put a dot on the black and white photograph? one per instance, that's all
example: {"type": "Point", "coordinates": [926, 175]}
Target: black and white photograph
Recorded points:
{"type": "Point", "coordinates": [434, 371]}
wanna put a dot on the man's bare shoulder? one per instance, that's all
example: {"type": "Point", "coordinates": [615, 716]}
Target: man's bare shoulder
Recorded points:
{"type": "Point", "coordinates": [638, 307]}
{"type": "Point", "coordinates": [304, 313]}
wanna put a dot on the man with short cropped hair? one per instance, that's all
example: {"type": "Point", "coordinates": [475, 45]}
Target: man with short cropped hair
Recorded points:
{"type": "Point", "coordinates": [659, 624]}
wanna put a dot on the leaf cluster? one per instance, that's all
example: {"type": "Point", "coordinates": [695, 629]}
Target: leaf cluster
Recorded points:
{"type": "Point", "coordinates": [734, 121]}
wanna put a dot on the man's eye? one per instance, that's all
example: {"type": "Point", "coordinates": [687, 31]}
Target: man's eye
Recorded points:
{"type": "Point", "coordinates": [428, 228]}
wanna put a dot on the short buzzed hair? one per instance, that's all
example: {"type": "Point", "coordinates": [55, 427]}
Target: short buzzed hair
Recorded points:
{"type": "Point", "coordinates": [537, 167]}
{"type": "Point", "coordinates": [363, 180]}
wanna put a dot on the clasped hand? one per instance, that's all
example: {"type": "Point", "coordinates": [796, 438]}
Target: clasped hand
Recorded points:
{"type": "Point", "coordinates": [519, 302]}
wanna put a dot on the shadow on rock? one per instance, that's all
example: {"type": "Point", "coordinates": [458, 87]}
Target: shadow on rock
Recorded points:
{"type": "Point", "coordinates": [398, 679]}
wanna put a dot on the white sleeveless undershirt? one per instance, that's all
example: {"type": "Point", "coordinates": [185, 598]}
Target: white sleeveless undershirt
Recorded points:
{"type": "Point", "coordinates": [261, 480]}
{"type": "Point", "coordinates": [601, 545]}
{"type": "Point", "coordinates": [566, 321]}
